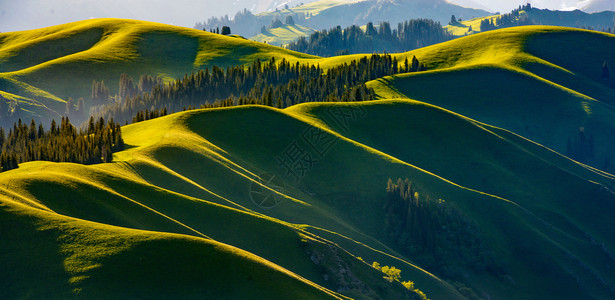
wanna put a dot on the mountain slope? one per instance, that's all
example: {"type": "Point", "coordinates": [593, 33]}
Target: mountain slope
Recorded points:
{"type": "Point", "coordinates": [523, 80]}
{"type": "Point", "coordinates": [48, 65]}
{"type": "Point", "coordinates": [66, 257]}
{"type": "Point", "coordinates": [200, 173]}
{"type": "Point", "coordinates": [283, 35]}
{"type": "Point", "coordinates": [327, 14]}
{"type": "Point", "coordinates": [598, 6]}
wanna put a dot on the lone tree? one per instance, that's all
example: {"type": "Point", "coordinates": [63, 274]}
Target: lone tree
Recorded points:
{"type": "Point", "coordinates": [605, 70]}
{"type": "Point", "coordinates": [453, 20]}
{"type": "Point", "coordinates": [226, 30]}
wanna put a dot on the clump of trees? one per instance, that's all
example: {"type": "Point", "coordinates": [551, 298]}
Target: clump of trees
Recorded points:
{"type": "Point", "coordinates": [273, 83]}
{"type": "Point", "coordinates": [226, 30]}
{"type": "Point", "coordinates": [581, 147]}
{"type": "Point", "coordinates": [434, 232]}
{"type": "Point", "coordinates": [409, 35]}
{"type": "Point", "coordinates": [514, 18]}
{"type": "Point", "coordinates": [61, 143]}
{"type": "Point", "coordinates": [394, 274]}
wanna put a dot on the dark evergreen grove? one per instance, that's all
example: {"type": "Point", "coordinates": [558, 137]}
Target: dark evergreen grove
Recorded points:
{"type": "Point", "coordinates": [272, 83]}
{"type": "Point", "coordinates": [278, 84]}
{"type": "Point", "coordinates": [61, 143]}
{"type": "Point", "coordinates": [534, 16]}
{"type": "Point", "coordinates": [409, 35]}
{"type": "Point", "coordinates": [434, 232]}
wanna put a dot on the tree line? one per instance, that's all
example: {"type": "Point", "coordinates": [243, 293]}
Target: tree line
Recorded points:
{"type": "Point", "coordinates": [272, 83]}
{"type": "Point", "coordinates": [61, 143]}
{"type": "Point", "coordinates": [533, 16]}
{"type": "Point", "coordinates": [434, 232]}
{"type": "Point", "coordinates": [408, 35]}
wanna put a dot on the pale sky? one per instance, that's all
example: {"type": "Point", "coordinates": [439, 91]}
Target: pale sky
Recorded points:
{"type": "Point", "coordinates": [30, 14]}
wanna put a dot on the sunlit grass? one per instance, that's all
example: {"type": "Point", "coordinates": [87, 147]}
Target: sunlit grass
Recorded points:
{"type": "Point", "coordinates": [283, 35]}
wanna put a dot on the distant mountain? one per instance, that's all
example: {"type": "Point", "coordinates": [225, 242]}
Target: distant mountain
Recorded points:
{"type": "Point", "coordinates": [326, 14]}
{"type": "Point", "coordinates": [599, 5]}
{"type": "Point", "coordinates": [528, 15]}
{"type": "Point", "coordinates": [575, 18]}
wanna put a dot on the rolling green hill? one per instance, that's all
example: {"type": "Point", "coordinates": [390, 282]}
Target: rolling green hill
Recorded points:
{"type": "Point", "coordinates": [522, 79]}
{"type": "Point", "coordinates": [41, 68]}
{"type": "Point", "coordinates": [528, 15]}
{"type": "Point", "coordinates": [200, 174]}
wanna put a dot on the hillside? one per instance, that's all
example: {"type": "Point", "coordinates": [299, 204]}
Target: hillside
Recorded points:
{"type": "Point", "coordinates": [524, 82]}
{"type": "Point", "coordinates": [283, 35]}
{"type": "Point", "coordinates": [200, 174]}
{"type": "Point", "coordinates": [41, 68]}
{"type": "Point", "coordinates": [462, 28]}
{"type": "Point", "coordinates": [528, 15]}
{"type": "Point", "coordinates": [325, 14]}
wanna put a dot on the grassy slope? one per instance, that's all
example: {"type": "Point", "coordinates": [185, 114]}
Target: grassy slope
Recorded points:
{"type": "Point", "coordinates": [314, 8]}
{"type": "Point", "coordinates": [462, 28]}
{"type": "Point", "coordinates": [283, 35]}
{"type": "Point", "coordinates": [520, 79]}
{"type": "Point", "coordinates": [49, 65]}
{"type": "Point", "coordinates": [190, 173]}
{"type": "Point", "coordinates": [58, 256]}
{"type": "Point", "coordinates": [140, 193]}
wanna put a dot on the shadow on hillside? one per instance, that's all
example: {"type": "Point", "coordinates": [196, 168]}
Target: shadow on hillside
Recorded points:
{"type": "Point", "coordinates": [32, 263]}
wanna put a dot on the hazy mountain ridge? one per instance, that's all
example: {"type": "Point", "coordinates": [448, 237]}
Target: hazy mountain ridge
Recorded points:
{"type": "Point", "coordinates": [326, 14]}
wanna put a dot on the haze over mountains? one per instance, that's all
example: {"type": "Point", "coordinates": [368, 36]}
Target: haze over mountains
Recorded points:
{"type": "Point", "coordinates": [31, 14]}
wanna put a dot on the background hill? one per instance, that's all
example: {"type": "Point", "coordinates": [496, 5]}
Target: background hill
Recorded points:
{"type": "Point", "coordinates": [40, 69]}
{"type": "Point", "coordinates": [283, 35]}
{"type": "Point", "coordinates": [326, 14]}
{"type": "Point", "coordinates": [528, 15]}
{"type": "Point", "coordinates": [523, 83]}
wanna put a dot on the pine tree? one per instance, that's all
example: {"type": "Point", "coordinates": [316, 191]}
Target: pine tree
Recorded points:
{"type": "Point", "coordinates": [415, 64]}
{"type": "Point", "coordinates": [2, 137]}
{"type": "Point", "coordinates": [605, 70]}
